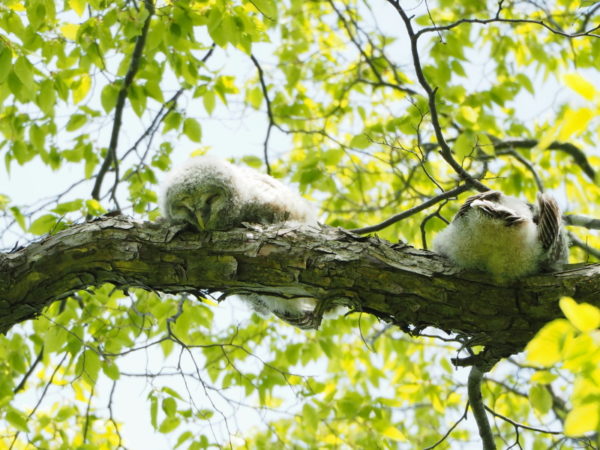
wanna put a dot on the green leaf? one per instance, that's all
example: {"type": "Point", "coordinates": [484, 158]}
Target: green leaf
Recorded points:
{"type": "Point", "coordinates": [109, 96]}
{"type": "Point", "coordinates": [88, 365]}
{"type": "Point", "coordinates": [43, 224]}
{"type": "Point", "coordinates": [76, 121]}
{"type": "Point", "coordinates": [464, 145]}
{"type": "Point", "coordinates": [192, 130]}
{"type": "Point", "coordinates": [67, 207]}
{"type": "Point", "coordinates": [184, 437]}
{"type": "Point", "coordinates": [24, 70]}
{"type": "Point", "coordinates": [153, 411]}
{"type": "Point", "coordinates": [37, 137]}
{"type": "Point", "coordinates": [137, 97]}
{"type": "Point", "coordinates": [580, 85]}
{"type": "Point", "coordinates": [583, 316]}
{"type": "Point", "coordinates": [46, 98]}
{"type": "Point", "coordinates": [543, 377]}
{"type": "Point", "coordinates": [268, 8]}
{"type": "Point", "coordinates": [17, 419]}
{"type": "Point", "coordinates": [360, 141]}
{"type": "Point", "coordinates": [111, 370]}
{"type": "Point", "coordinates": [583, 419]}
{"type": "Point", "coordinates": [254, 97]}
{"type": "Point", "coordinates": [5, 61]}
{"type": "Point", "coordinates": [78, 6]}
{"type": "Point", "coordinates": [545, 348]}
{"type": "Point", "coordinates": [169, 424]}
{"type": "Point", "coordinates": [540, 398]}
{"type": "Point", "coordinates": [81, 88]}
{"type": "Point", "coordinates": [209, 101]}
{"type": "Point", "coordinates": [169, 406]}
{"type": "Point", "coordinates": [18, 217]}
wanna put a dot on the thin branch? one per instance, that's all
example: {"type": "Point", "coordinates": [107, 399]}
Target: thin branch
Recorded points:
{"type": "Point", "coordinates": [577, 220]}
{"type": "Point", "coordinates": [44, 391]}
{"type": "Point", "coordinates": [497, 19]}
{"type": "Point", "coordinates": [576, 242]}
{"type": "Point", "coordinates": [111, 154]}
{"type": "Point", "coordinates": [21, 384]}
{"type": "Point", "coordinates": [520, 425]}
{"type": "Point", "coordinates": [527, 164]}
{"type": "Point", "coordinates": [86, 424]}
{"type": "Point", "coordinates": [111, 414]}
{"type": "Point", "coordinates": [409, 212]}
{"type": "Point", "coordinates": [478, 408]}
{"type": "Point", "coordinates": [172, 102]}
{"type": "Point", "coordinates": [445, 436]}
{"type": "Point", "coordinates": [575, 152]}
{"type": "Point", "coordinates": [446, 152]}
{"type": "Point", "coordinates": [263, 85]}
{"type": "Point", "coordinates": [353, 38]}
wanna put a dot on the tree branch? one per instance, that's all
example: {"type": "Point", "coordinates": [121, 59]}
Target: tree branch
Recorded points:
{"type": "Point", "coordinates": [272, 123]}
{"type": "Point", "coordinates": [497, 19]}
{"type": "Point", "coordinates": [575, 152]}
{"type": "Point", "coordinates": [575, 241]}
{"type": "Point", "coordinates": [591, 223]}
{"type": "Point", "coordinates": [478, 408]}
{"type": "Point", "coordinates": [409, 212]}
{"type": "Point", "coordinates": [111, 154]}
{"type": "Point", "coordinates": [395, 282]}
{"type": "Point", "coordinates": [446, 152]}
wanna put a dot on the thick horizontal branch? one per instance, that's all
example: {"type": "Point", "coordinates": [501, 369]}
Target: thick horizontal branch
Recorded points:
{"type": "Point", "coordinates": [395, 282]}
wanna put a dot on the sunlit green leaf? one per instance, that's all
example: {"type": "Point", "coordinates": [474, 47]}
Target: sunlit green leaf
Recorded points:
{"type": "Point", "coordinates": [43, 224]}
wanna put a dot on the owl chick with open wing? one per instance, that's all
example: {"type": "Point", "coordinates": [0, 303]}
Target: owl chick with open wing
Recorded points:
{"type": "Point", "coordinates": [505, 236]}
{"type": "Point", "coordinates": [212, 194]}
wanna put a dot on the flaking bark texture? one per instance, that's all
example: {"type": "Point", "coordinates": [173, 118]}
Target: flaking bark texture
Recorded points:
{"type": "Point", "coordinates": [397, 283]}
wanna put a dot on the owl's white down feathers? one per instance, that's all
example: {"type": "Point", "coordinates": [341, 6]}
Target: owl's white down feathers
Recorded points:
{"type": "Point", "coordinates": [212, 194]}
{"type": "Point", "coordinates": [505, 236]}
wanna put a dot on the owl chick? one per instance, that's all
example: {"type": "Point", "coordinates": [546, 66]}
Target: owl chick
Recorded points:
{"type": "Point", "coordinates": [505, 236]}
{"type": "Point", "coordinates": [212, 194]}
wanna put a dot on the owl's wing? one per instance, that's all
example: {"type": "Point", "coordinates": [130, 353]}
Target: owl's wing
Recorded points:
{"type": "Point", "coordinates": [489, 204]}
{"type": "Point", "coordinates": [304, 321]}
{"type": "Point", "coordinates": [489, 195]}
{"type": "Point", "coordinates": [548, 220]}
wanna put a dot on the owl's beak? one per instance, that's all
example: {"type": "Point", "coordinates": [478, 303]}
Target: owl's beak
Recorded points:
{"type": "Point", "coordinates": [200, 221]}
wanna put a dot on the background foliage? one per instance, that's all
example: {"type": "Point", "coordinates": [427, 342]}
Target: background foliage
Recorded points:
{"type": "Point", "coordinates": [97, 98]}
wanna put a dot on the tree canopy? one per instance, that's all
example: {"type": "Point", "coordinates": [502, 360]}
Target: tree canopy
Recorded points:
{"type": "Point", "coordinates": [387, 114]}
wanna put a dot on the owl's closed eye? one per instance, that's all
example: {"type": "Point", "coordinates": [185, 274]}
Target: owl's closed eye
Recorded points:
{"type": "Point", "coordinates": [212, 194]}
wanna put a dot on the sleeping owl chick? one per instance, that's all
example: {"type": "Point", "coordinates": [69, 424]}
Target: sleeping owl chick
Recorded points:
{"type": "Point", "coordinates": [505, 236]}
{"type": "Point", "coordinates": [212, 194]}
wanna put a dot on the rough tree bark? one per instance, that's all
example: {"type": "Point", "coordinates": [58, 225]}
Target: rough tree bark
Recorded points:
{"type": "Point", "coordinates": [397, 283]}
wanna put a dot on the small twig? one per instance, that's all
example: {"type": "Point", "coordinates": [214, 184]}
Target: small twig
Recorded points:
{"type": "Point", "coordinates": [111, 154]}
{"type": "Point", "coordinates": [86, 424]}
{"type": "Point", "coordinates": [409, 212]}
{"type": "Point", "coordinates": [576, 242]}
{"type": "Point", "coordinates": [445, 149]}
{"type": "Point", "coordinates": [527, 164]}
{"type": "Point", "coordinates": [520, 425]}
{"type": "Point", "coordinates": [427, 219]}
{"type": "Point", "coordinates": [478, 408]}
{"type": "Point", "coordinates": [577, 220]}
{"type": "Point", "coordinates": [44, 392]}
{"type": "Point", "coordinates": [169, 105]}
{"type": "Point", "coordinates": [575, 152]}
{"type": "Point", "coordinates": [445, 436]}
{"type": "Point", "coordinates": [263, 85]}
{"type": "Point", "coordinates": [21, 384]}
{"type": "Point", "coordinates": [497, 19]}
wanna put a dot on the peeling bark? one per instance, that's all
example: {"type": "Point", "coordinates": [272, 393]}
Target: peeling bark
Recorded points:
{"type": "Point", "coordinates": [398, 283]}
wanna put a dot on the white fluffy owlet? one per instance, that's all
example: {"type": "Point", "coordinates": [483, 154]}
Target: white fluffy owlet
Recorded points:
{"type": "Point", "coordinates": [505, 236]}
{"type": "Point", "coordinates": [212, 194]}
